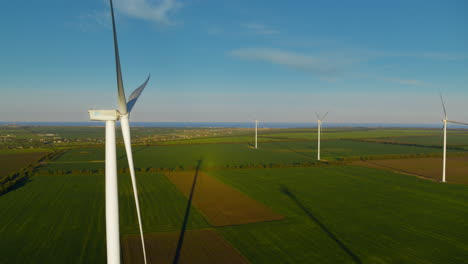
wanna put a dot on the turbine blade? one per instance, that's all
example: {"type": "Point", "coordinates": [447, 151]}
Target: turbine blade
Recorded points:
{"type": "Point", "coordinates": [323, 117]}
{"type": "Point", "coordinates": [443, 105]}
{"type": "Point", "coordinates": [120, 87]}
{"type": "Point", "coordinates": [128, 149]}
{"type": "Point", "coordinates": [318, 117]}
{"type": "Point", "coordinates": [456, 122]}
{"type": "Point", "coordinates": [134, 96]}
{"type": "Point", "coordinates": [441, 131]}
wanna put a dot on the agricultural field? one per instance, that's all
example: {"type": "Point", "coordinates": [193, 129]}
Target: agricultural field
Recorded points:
{"type": "Point", "coordinates": [310, 212]}
{"type": "Point", "coordinates": [201, 246]}
{"type": "Point", "coordinates": [283, 153]}
{"type": "Point", "coordinates": [346, 133]}
{"type": "Point", "coordinates": [337, 214]}
{"type": "Point", "coordinates": [454, 140]}
{"type": "Point", "coordinates": [220, 204]}
{"type": "Point", "coordinates": [431, 168]}
{"type": "Point", "coordinates": [61, 218]}
{"type": "Point", "coordinates": [345, 214]}
{"type": "Point", "coordinates": [12, 161]}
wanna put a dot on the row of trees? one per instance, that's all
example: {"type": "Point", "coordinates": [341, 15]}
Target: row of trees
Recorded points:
{"type": "Point", "coordinates": [57, 172]}
{"type": "Point", "coordinates": [402, 156]}
{"type": "Point", "coordinates": [15, 179]}
{"type": "Point", "coordinates": [20, 177]}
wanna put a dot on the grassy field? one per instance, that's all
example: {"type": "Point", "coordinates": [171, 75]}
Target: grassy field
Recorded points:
{"type": "Point", "coordinates": [351, 215]}
{"type": "Point", "coordinates": [60, 219]}
{"type": "Point", "coordinates": [55, 220]}
{"type": "Point", "coordinates": [456, 172]}
{"type": "Point", "coordinates": [338, 214]}
{"type": "Point", "coordinates": [347, 133]}
{"type": "Point", "coordinates": [453, 140]}
{"type": "Point", "coordinates": [232, 155]}
{"type": "Point", "coordinates": [301, 134]}
{"type": "Point", "coordinates": [332, 214]}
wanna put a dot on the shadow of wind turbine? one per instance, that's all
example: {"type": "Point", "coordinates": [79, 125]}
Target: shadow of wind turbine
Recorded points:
{"type": "Point", "coordinates": [186, 216]}
{"type": "Point", "coordinates": [293, 197]}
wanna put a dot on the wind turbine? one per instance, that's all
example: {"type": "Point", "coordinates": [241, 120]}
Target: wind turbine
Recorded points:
{"type": "Point", "coordinates": [319, 130]}
{"type": "Point", "coordinates": [445, 121]}
{"type": "Point", "coordinates": [110, 117]}
{"type": "Point", "coordinates": [256, 128]}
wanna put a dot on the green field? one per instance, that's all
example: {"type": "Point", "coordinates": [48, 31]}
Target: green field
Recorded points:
{"type": "Point", "coordinates": [453, 140]}
{"type": "Point", "coordinates": [380, 217]}
{"type": "Point", "coordinates": [239, 154]}
{"type": "Point", "coordinates": [372, 214]}
{"type": "Point", "coordinates": [60, 219]}
{"type": "Point", "coordinates": [333, 214]}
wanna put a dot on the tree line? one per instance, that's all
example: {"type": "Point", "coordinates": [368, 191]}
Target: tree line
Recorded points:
{"type": "Point", "coordinates": [20, 177]}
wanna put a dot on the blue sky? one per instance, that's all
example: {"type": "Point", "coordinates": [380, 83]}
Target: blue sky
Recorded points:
{"type": "Point", "coordinates": [276, 61]}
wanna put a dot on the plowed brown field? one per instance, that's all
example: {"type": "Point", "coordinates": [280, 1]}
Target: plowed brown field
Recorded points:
{"type": "Point", "coordinates": [457, 167]}
{"type": "Point", "coordinates": [221, 204]}
{"type": "Point", "coordinates": [200, 246]}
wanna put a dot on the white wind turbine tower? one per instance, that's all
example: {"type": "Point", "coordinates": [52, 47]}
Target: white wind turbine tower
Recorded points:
{"type": "Point", "coordinates": [256, 133]}
{"type": "Point", "coordinates": [445, 121]}
{"type": "Point", "coordinates": [319, 130]}
{"type": "Point", "coordinates": [110, 117]}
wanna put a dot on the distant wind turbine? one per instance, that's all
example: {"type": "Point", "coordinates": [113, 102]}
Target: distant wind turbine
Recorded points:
{"type": "Point", "coordinates": [256, 133]}
{"type": "Point", "coordinates": [445, 121]}
{"type": "Point", "coordinates": [319, 130]}
{"type": "Point", "coordinates": [110, 117]}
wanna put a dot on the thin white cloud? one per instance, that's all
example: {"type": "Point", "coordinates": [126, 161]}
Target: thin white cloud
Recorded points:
{"type": "Point", "coordinates": [294, 60]}
{"type": "Point", "coordinates": [407, 82]}
{"type": "Point", "coordinates": [260, 29]}
{"type": "Point", "coordinates": [156, 10]}
{"type": "Point", "coordinates": [88, 22]}
{"type": "Point", "coordinates": [376, 54]}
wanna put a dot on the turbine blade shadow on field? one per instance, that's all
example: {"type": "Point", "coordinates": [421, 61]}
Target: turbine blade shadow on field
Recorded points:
{"type": "Point", "coordinates": [287, 146]}
{"type": "Point", "coordinates": [124, 155]}
{"type": "Point", "coordinates": [293, 197]}
{"type": "Point", "coordinates": [186, 217]}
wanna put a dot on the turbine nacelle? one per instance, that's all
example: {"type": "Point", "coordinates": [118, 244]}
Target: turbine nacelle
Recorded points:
{"type": "Point", "coordinates": [104, 115]}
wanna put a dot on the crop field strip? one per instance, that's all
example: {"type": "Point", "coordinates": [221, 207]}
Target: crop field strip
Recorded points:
{"type": "Point", "coordinates": [457, 167]}
{"type": "Point", "coordinates": [221, 204]}
{"type": "Point", "coordinates": [202, 246]}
